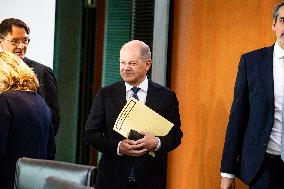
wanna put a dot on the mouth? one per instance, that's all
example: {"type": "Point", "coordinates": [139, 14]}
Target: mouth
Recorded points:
{"type": "Point", "coordinates": [127, 74]}
{"type": "Point", "coordinates": [19, 53]}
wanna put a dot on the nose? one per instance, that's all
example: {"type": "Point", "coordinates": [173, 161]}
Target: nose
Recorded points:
{"type": "Point", "coordinates": [21, 45]}
{"type": "Point", "coordinates": [127, 66]}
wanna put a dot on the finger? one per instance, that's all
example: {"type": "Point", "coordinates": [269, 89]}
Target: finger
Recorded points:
{"type": "Point", "coordinates": [142, 140]}
{"type": "Point", "coordinates": [138, 152]}
{"type": "Point", "coordinates": [136, 147]}
{"type": "Point", "coordinates": [144, 133]}
{"type": "Point", "coordinates": [147, 134]}
{"type": "Point", "coordinates": [130, 148]}
{"type": "Point", "coordinates": [143, 151]}
{"type": "Point", "coordinates": [129, 142]}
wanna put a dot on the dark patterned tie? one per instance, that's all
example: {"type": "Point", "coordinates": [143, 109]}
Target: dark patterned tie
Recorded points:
{"type": "Point", "coordinates": [131, 178]}
{"type": "Point", "coordinates": [135, 91]}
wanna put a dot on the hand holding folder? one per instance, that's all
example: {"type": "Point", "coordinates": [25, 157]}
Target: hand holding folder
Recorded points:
{"type": "Point", "coordinates": [136, 117]}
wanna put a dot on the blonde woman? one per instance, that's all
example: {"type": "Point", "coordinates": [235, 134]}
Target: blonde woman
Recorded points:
{"type": "Point", "coordinates": [25, 119]}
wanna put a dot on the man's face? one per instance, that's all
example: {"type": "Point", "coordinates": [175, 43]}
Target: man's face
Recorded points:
{"type": "Point", "coordinates": [133, 68]}
{"type": "Point", "coordinates": [278, 27]}
{"type": "Point", "coordinates": [16, 42]}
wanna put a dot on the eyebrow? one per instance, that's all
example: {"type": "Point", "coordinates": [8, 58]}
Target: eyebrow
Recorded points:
{"type": "Point", "coordinates": [127, 61]}
{"type": "Point", "coordinates": [19, 38]}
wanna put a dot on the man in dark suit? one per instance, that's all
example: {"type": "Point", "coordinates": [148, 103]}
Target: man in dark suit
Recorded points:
{"type": "Point", "coordinates": [252, 149]}
{"type": "Point", "coordinates": [14, 37]}
{"type": "Point", "coordinates": [126, 163]}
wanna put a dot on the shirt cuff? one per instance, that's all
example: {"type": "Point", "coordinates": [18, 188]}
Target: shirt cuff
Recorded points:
{"type": "Point", "coordinates": [159, 144]}
{"type": "Point", "coordinates": [227, 175]}
{"type": "Point", "coordinates": [117, 150]}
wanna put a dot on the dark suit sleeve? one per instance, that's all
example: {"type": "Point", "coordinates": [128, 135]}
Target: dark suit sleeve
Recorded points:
{"type": "Point", "coordinates": [173, 139]}
{"type": "Point", "coordinates": [96, 133]}
{"type": "Point", "coordinates": [5, 118]}
{"type": "Point", "coordinates": [238, 121]}
{"type": "Point", "coordinates": [48, 90]}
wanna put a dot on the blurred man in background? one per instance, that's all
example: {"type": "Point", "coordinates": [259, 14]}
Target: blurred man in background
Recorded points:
{"type": "Point", "coordinates": [14, 38]}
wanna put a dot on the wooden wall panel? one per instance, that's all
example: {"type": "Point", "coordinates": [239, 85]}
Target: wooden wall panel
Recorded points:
{"type": "Point", "coordinates": [208, 38]}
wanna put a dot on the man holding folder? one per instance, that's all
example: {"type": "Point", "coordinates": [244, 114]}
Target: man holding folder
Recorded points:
{"type": "Point", "coordinates": [126, 163]}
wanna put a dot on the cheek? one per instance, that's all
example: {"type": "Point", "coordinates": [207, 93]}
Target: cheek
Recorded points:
{"type": "Point", "coordinates": [279, 29]}
{"type": "Point", "coordinates": [8, 48]}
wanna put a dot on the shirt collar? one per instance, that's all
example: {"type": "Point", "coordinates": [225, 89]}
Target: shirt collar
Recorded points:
{"type": "Point", "coordinates": [143, 86]}
{"type": "Point", "coordinates": [279, 52]}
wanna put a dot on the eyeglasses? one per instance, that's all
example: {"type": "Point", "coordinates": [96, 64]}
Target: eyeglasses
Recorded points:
{"type": "Point", "coordinates": [16, 42]}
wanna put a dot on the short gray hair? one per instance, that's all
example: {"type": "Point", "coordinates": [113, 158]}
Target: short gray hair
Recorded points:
{"type": "Point", "coordinates": [275, 12]}
{"type": "Point", "coordinates": [145, 50]}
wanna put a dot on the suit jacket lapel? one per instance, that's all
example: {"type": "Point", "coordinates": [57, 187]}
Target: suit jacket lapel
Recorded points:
{"type": "Point", "coordinates": [119, 99]}
{"type": "Point", "coordinates": [27, 61]}
{"type": "Point", "coordinates": [152, 99]}
{"type": "Point", "coordinates": [266, 73]}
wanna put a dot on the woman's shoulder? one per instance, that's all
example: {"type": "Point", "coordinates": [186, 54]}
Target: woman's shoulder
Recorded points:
{"type": "Point", "coordinates": [16, 96]}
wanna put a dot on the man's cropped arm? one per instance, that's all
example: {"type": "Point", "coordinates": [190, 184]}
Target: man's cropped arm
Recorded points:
{"type": "Point", "coordinates": [48, 90]}
{"type": "Point", "coordinates": [237, 121]}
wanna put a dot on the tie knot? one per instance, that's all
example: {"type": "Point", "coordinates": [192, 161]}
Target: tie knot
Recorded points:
{"type": "Point", "coordinates": [135, 90]}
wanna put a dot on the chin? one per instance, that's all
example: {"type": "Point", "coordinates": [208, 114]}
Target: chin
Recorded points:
{"type": "Point", "coordinates": [22, 56]}
{"type": "Point", "coordinates": [128, 79]}
{"type": "Point", "coordinates": [130, 82]}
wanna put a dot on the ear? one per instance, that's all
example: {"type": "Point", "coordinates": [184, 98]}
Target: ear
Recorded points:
{"type": "Point", "coordinates": [273, 25]}
{"type": "Point", "coordinates": [148, 64]}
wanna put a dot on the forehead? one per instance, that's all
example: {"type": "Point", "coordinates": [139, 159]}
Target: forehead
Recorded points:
{"type": "Point", "coordinates": [18, 32]}
{"type": "Point", "coordinates": [130, 52]}
{"type": "Point", "coordinates": [281, 12]}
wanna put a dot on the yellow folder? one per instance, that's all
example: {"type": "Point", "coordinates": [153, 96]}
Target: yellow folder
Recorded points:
{"type": "Point", "coordinates": [137, 116]}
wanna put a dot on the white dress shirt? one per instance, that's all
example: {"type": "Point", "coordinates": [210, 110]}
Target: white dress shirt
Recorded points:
{"type": "Point", "coordinates": [142, 93]}
{"type": "Point", "coordinates": [274, 144]}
